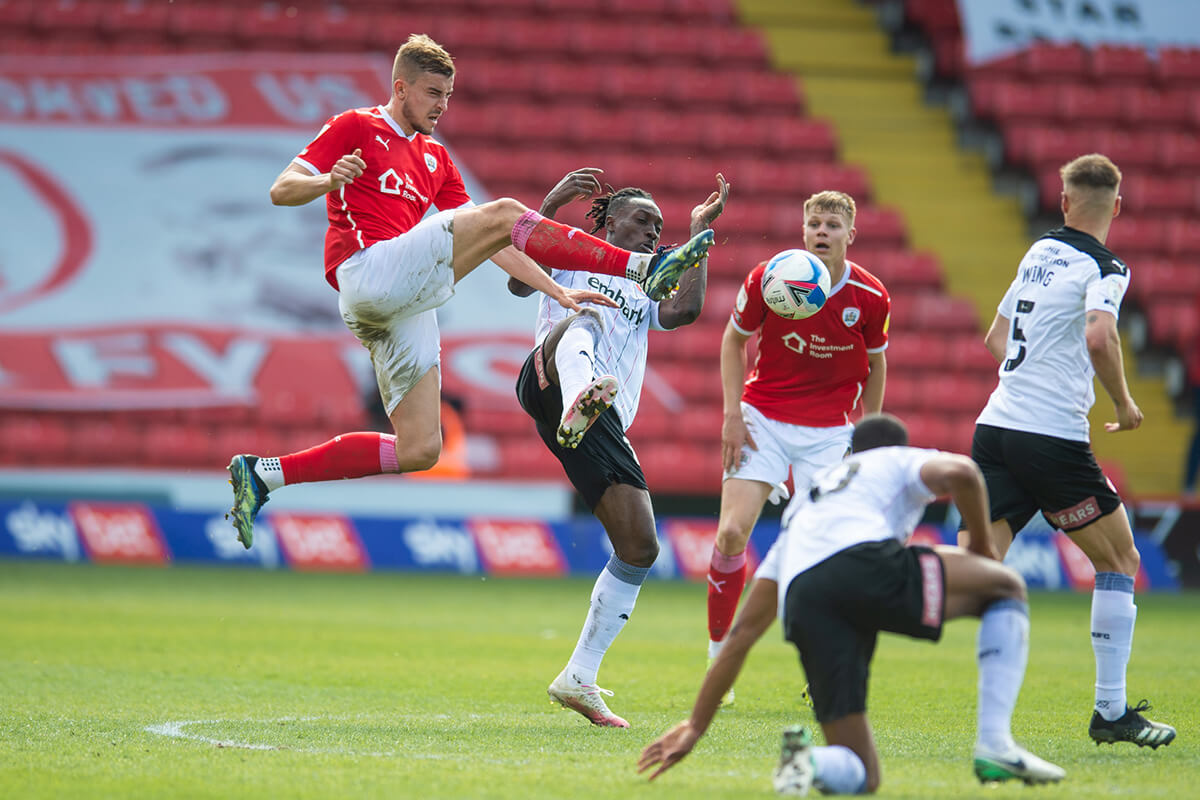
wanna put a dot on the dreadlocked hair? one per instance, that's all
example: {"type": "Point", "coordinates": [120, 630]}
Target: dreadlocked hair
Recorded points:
{"type": "Point", "coordinates": [605, 205]}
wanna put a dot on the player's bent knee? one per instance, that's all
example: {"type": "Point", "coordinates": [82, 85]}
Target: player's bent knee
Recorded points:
{"type": "Point", "coordinates": [731, 541]}
{"type": "Point", "coordinates": [416, 458]}
{"type": "Point", "coordinates": [639, 553]}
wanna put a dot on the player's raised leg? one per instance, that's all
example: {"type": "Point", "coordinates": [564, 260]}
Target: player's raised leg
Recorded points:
{"type": "Point", "coordinates": [483, 231]}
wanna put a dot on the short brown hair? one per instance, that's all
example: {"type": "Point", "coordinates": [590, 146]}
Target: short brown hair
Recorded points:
{"type": "Point", "coordinates": [832, 202]}
{"type": "Point", "coordinates": [1092, 179]}
{"type": "Point", "coordinates": [421, 54]}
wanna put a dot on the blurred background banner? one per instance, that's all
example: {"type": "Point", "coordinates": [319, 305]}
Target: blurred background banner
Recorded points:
{"type": "Point", "coordinates": [113, 532]}
{"type": "Point", "coordinates": [997, 28]}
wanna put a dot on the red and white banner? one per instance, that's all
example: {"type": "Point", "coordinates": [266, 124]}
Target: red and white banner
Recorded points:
{"type": "Point", "coordinates": [319, 542]}
{"type": "Point", "coordinates": [119, 533]}
{"type": "Point", "coordinates": [517, 548]}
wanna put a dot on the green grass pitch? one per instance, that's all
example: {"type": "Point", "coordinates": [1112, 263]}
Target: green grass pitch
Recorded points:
{"type": "Point", "coordinates": [190, 682]}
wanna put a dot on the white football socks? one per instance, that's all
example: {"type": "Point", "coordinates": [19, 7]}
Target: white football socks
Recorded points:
{"type": "Point", "coordinates": [575, 358]}
{"type": "Point", "coordinates": [1113, 618]}
{"type": "Point", "coordinates": [613, 598]}
{"type": "Point", "coordinates": [1002, 654]}
{"type": "Point", "coordinates": [838, 770]}
{"type": "Point", "coordinates": [270, 472]}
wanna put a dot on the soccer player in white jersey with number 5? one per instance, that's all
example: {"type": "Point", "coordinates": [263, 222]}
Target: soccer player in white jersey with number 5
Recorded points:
{"type": "Point", "coordinates": [380, 170]}
{"type": "Point", "coordinates": [581, 384]}
{"type": "Point", "coordinates": [1055, 329]}
{"type": "Point", "coordinates": [812, 379]}
{"type": "Point", "coordinates": [839, 574]}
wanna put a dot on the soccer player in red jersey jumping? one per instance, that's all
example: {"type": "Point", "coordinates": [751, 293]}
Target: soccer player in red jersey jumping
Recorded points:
{"type": "Point", "coordinates": [380, 171]}
{"type": "Point", "coordinates": [811, 380]}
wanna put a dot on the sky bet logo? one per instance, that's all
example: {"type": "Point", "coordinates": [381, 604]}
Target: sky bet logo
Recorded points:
{"type": "Point", "coordinates": [618, 297]}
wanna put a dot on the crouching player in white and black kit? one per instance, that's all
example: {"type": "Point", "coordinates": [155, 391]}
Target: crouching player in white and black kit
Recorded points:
{"type": "Point", "coordinates": [1055, 329]}
{"type": "Point", "coordinates": [581, 384]}
{"type": "Point", "coordinates": [840, 573]}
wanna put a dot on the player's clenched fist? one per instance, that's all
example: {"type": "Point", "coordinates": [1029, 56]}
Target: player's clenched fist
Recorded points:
{"type": "Point", "coordinates": [346, 169]}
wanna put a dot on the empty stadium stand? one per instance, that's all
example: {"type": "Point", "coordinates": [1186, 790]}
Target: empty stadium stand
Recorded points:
{"type": "Point", "coordinates": [550, 85]}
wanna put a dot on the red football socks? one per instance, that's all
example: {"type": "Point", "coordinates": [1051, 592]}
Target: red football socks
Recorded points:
{"type": "Point", "coordinates": [726, 580]}
{"type": "Point", "coordinates": [351, 455]}
{"type": "Point", "coordinates": [560, 246]}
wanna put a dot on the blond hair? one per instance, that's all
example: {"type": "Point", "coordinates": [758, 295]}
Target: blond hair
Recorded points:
{"type": "Point", "coordinates": [832, 202]}
{"type": "Point", "coordinates": [421, 54]}
{"type": "Point", "coordinates": [1092, 180]}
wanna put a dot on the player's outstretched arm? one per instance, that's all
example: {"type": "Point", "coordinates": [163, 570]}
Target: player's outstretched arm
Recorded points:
{"type": "Point", "coordinates": [1104, 348]}
{"type": "Point", "coordinates": [296, 186]}
{"type": "Point", "coordinates": [529, 272]}
{"type": "Point", "coordinates": [684, 306]}
{"type": "Point", "coordinates": [756, 616]}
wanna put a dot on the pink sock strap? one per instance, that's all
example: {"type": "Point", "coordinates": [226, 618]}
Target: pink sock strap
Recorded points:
{"type": "Point", "coordinates": [724, 563]}
{"type": "Point", "coordinates": [523, 227]}
{"type": "Point", "coordinates": [387, 453]}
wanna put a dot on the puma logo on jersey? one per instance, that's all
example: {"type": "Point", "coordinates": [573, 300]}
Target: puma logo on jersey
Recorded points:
{"type": "Point", "coordinates": [384, 142]}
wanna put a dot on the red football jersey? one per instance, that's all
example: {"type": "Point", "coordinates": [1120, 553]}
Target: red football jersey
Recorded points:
{"type": "Point", "coordinates": [811, 371]}
{"type": "Point", "coordinates": [403, 178]}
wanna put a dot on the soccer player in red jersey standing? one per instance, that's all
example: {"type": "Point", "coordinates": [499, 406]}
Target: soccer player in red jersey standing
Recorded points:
{"type": "Point", "coordinates": [380, 171]}
{"type": "Point", "coordinates": [811, 380]}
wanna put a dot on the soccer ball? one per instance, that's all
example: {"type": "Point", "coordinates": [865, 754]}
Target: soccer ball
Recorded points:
{"type": "Point", "coordinates": [795, 284]}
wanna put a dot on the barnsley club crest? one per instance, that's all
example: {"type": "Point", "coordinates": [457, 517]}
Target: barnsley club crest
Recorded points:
{"type": "Point", "coordinates": [850, 315]}
{"type": "Point", "coordinates": [431, 162]}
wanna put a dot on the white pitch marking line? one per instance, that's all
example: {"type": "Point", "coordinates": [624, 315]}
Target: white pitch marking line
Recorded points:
{"type": "Point", "coordinates": [178, 730]}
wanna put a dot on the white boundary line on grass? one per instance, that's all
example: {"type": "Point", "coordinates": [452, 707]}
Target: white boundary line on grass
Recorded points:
{"type": "Point", "coordinates": [179, 730]}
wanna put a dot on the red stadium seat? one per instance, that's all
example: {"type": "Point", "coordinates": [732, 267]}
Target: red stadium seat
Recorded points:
{"type": "Point", "coordinates": [1152, 193]}
{"type": "Point", "coordinates": [1131, 149]}
{"type": "Point", "coordinates": [1041, 146]}
{"type": "Point", "coordinates": [938, 18]}
{"type": "Point", "coordinates": [1119, 64]}
{"type": "Point", "coordinates": [336, 28]}
{"type": "Point", "coordinates": [799, 137]}
{"type": "Point", "coordinates": [1145, 106]}
{"type": "Point", "coordinates": [15, 15]}
{"type": "Point", "coordinates": [1028, 101]}
{"type": "Point", "coordinates": [67, 17]}
{"type": "Point", "coordinates": [879, 226]}
{"type": "Point", "coordinates": [132, 21]}
{"type": "Point", "coordinates": [1132, 233]}
{"type": "Point", "coordinates": [1080, 103]}
{"type": "Point", "coordinates": [209, 25]}
{"type": "Point", "coordinates": [1183, 237]}
{"type": "Point", "coordinates": [1047, 61]}
{"type": "Point", "coordinates": [1178, 66]}
{"type": "Point", "coordinates": [1173, 324]}
{"type": "Point", "coordinates": [1177, 151]}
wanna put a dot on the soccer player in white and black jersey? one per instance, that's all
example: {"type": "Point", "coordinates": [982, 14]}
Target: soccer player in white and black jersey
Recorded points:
{"type": "Point", "coordinates": [581, 384]}
{"type": "Point", "coordinates": [1054, 330]}
{"type": "Point", "coordinates": [838, 575]}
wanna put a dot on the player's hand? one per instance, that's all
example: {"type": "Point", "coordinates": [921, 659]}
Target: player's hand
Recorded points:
{"type": "Point", "coordinates": [571, 298]}
{"type": "Point", "coordinates": [1129, 417]}
{"type": "Point", "coordinates": [705, 214]}
{"type": "Point", "coordinates": [577, 185]}
{"type": "Point", "coordinates": [668, 749]}
{"type": "Point", "coordinates": [346, 169]}
{"type": "Point", "coordinates": [735, 436]}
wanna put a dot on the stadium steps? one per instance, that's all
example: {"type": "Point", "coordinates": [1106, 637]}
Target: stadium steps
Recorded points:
{"type": "Point", "coordinates": [874, 101]}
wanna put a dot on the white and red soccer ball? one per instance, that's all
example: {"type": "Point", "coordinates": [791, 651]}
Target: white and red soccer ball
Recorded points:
{"type": "Point", "coordinates": [795, 284]}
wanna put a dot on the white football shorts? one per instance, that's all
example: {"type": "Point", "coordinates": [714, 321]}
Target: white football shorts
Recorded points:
{"type": "Point", "coordinates": [388, 295]}
{"type": "Point", "coordinates": [782, 445]}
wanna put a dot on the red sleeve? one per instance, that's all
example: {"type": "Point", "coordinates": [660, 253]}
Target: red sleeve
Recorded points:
{"type": "Point", "coordinates": [875, 331]}
{"type": "Point", "coordinates": [750, 309]}
{"type": "Point", "coordinates": [453, 192]}
{"type": "Point", "coordinates": [334, 140]}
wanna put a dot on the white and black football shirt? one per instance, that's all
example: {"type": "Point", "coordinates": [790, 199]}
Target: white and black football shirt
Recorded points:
{"type": "Point", "coordinates": [1047, 375]}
